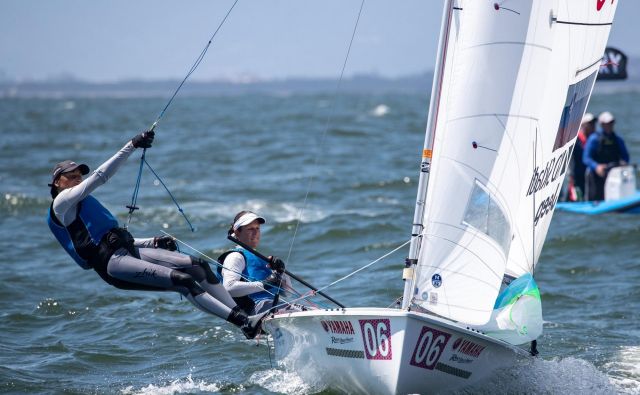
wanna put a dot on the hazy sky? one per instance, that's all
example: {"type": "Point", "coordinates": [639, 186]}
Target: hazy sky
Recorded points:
{"type": "Point", "coordinates": [151, 39]}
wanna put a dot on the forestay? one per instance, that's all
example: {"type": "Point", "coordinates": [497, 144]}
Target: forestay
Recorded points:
{"type": "Point", "coordinates": [515, 80]}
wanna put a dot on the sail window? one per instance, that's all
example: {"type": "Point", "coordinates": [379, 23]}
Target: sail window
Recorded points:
{"type": "Point", "coordinates": [485, 214]}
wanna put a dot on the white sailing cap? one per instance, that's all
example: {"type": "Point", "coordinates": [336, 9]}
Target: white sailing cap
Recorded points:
{"type": "Point", "coordinates": [588, 117]}
{"type": "Point", "coordinates": [606, 117]}
{"type": "Point", "coordinates": [246, 219]}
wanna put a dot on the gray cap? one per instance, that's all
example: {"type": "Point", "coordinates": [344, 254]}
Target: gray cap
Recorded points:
{"type": "Point", "coordinates": [65, 167]}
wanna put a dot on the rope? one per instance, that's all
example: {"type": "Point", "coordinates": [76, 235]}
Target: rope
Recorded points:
{"type": "Point", "coordinates": [396, 302]}
{"type": "Point", "coordinates": [169, 192]}
{"type": "Point", "coordinates": [312, 293]}
{"type": "Point", "coordinates": [303, 296]}
{"type": "Point", "coordinates": [134, 199]}
{"type": "Point", "coordinates": [214, 261]}
{"type": "Point", "coordinates": [365, 266]}
{"type": "Point", "coordinates": [193, 68]}
{"type": "Point", "coordinates": [324, 133]}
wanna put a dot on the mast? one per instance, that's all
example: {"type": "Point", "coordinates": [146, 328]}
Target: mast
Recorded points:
{"type": "Point", "coordinates": [408, 274]}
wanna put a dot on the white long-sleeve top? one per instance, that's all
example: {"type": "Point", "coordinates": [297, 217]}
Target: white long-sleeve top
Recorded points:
{"type": "Point", "coordinates": [232, 277]}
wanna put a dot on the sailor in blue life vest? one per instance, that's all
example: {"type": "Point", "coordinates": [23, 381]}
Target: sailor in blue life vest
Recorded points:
{"type": "Point", "coordinates": [603, 151]}
{"type": "Point", "coordinates": [578, 169]}
{"type": "Point", "coordinates": [251, 281]}
{"type": "Point", "coordinates": [93, 238]}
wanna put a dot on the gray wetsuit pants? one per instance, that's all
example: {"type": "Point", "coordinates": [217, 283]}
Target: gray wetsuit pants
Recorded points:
{"type": "Point", "coordinates": [162, 270]}
{"type": "Point", "coordinates": [153, 269]}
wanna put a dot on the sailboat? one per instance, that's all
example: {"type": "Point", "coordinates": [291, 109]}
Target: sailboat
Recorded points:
{"type": "Point", "coordinates": [512, 81]}
{"type": "Point", "coordinates": [620, 195]}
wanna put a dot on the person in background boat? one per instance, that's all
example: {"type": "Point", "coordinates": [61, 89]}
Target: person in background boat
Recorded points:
{"type": "Point", "coordinates": [578, 169]}
{"type": "Point", "coordinates": [251, 281]}
{"type": "Point", "coordinates": [93, 238]}
{"type": "Point", "coordinates": [603, 151]}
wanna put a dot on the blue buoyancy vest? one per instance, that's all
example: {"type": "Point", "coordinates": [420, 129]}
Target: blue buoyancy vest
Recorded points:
{"type": "Point", "coordinates": [255, 269]}
{"type": "Point", "coordinates": [82, 237]}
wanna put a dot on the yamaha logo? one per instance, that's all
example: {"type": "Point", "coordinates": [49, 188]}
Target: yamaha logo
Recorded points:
{"type": "Point", "coordinates": [339, 327]}
{"type": "Point", "coordinates": [467, 347]}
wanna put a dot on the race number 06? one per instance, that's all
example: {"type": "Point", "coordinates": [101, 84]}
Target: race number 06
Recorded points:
{"type": "Point", "coordinates": [429, 347]}
{"type": "Point", "coordinates": [376, 336]}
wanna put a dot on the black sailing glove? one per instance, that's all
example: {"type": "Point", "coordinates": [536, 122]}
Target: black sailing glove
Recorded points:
{"type": "Point", "coordinates": [144, 139]}
{"type": "Point", "coordinates": [277, 264]}
{"type": "Point", "coordinates": [165, 242]}
{"type": "Point", "coordinates": [272, 282]}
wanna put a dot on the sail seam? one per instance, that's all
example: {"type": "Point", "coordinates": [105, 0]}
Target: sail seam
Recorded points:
{"type": "Point", "coordinates": [523, 43]}
{"type": "Point", "coordinates": [494, 115]}
{"type": "Point", "coordinates": [468, 250]}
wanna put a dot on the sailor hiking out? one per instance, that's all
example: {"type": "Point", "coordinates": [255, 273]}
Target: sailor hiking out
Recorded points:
{"type": "Point", "coordinates": [92, 237]}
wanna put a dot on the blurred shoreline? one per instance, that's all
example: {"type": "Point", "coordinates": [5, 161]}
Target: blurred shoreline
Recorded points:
{"type": "Point", "coordinates": [70, 87]}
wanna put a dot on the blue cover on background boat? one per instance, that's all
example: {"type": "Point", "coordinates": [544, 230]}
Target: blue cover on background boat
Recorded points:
{"type": "Point", "coordinates": [630, 204]}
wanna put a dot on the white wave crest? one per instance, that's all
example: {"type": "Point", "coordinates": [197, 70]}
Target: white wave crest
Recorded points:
{"type": "Point", "coordinates": [380, 110]}
{"type": "Point", "coordinates": [180, 386]}
{"type": "Point", "coordinates": [625, 372]}
{"type": "Point", "coordinates": [279, 381]}
{"type": "Point", "coordinates": [275, 212]}
{"type": "Point", "coordinates": [557, 376]}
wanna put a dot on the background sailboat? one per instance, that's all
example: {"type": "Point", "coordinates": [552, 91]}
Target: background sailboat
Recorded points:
{"type": "Point", "coordinates": [621, 195]}
{"type": "Point", "coordinates": [512, 82]}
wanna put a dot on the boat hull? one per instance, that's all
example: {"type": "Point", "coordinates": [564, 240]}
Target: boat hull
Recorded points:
{"type": "Point", "coordinates": [629, 204]}
{"type": "Point", "coordinates": [385, 351]}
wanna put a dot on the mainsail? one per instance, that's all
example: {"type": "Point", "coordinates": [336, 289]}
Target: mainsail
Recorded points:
{"type": "Point", "coordinates": [514, 80]}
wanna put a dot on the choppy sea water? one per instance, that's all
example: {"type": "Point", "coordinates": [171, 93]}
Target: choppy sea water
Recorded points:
{"type": "Point", "coordinates": [351, 163]}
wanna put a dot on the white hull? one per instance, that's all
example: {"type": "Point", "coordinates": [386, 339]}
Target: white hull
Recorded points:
{"type": "Point", "coordinates": [385, 351]}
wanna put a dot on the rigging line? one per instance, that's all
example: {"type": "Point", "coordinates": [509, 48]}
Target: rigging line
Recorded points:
{"type": "Point", "coordinates": [134, 198]}
{"type": "Point", "coordinates": [365, 266]}
{"type": "Point", "coordinates": [170, 194]}
{"type": "Point", "coordinates": [313, 293]}
{"type": "Point", "coordinates": [194, 66]}
{"type": "Point", "coordinates": [324, 133]}
{"type": "Point", "coordinates": [215, 261]}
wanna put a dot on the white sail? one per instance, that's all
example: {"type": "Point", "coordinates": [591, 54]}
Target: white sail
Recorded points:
{"type": "Point", "coordinates": [517, 77]}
